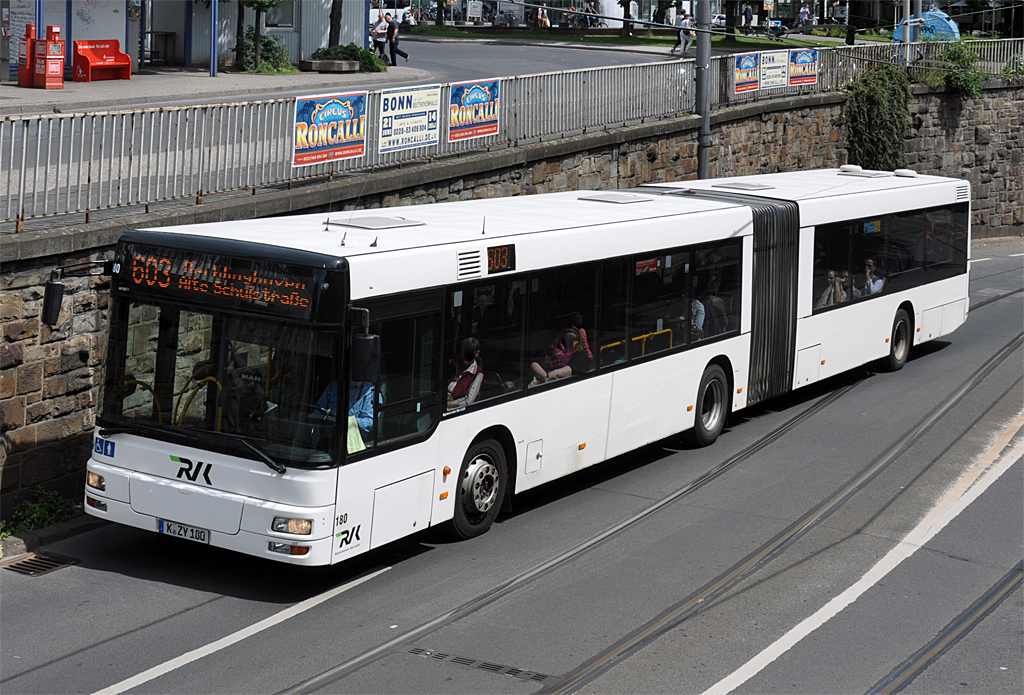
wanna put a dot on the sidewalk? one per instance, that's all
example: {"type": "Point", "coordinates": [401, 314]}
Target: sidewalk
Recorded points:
{"type": "Point", "coordinates": [186, 85]}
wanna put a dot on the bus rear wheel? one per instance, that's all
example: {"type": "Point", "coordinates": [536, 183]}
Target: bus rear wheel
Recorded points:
{"type": "Point", "coordinates": [481, 489]}
{"type": "Point", "coordinates": [899, 342]}
{"type": "Point", "coordinates": [712, 406]}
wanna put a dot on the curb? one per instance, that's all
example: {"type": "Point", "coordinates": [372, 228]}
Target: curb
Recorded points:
{"type": "Point", "coordinates": [204, 98]}
{"type": "Point", "coordinates": [35, 539]}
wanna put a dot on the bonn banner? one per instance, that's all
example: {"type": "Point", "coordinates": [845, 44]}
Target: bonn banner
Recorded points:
{"type": "Point", "coordinates": [409, 118]}
{"type": "Point", "coordinates": [329, 127]}
{"type": "Point", "coordinates": [473, 110]}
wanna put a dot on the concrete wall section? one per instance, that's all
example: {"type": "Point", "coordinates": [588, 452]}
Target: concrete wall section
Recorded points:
{"type": "Point", "coordinates": [49, 377]}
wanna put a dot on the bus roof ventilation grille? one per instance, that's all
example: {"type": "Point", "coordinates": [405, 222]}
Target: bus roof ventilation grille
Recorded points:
{"type": "Point", "coordinates": [471, 264]}
{"type": "Point", "coordinates": [962, 193]}
{"type": "Point", "coordinates": [375, 222]}
{"type": "Point", "coordinates": [616, 198]}
{"type": "Point", "coordinates": [743, 186]}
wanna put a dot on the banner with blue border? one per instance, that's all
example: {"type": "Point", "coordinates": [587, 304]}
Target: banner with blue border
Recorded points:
{"type": "Point", "coordinates": [409, 118]}
{"type": "Point", "coordinates": [329, 127]}
{"type": "Point", "coordinates": [473, 110]}
{"type": "Point", "coordinates": [803, 66]}
{"type": "Point", "coordinates": [747, 73]}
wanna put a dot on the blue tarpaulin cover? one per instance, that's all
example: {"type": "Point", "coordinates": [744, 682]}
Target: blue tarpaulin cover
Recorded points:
{"type": "Point", "coordinates": [937, 27]}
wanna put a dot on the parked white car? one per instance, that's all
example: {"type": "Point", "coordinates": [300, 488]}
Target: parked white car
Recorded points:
{"type": "Point", "coordinates": [718, 20]}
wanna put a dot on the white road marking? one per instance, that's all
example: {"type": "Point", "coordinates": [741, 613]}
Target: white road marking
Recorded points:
{"type": "Point", "coordinates": [1016, 255]}
{"type": "Point", "coordinates": [980, 260]}
{"type": "Point", "coordinates": [233, 638]}
{"type": "Point", "coordinates": [985, 471]}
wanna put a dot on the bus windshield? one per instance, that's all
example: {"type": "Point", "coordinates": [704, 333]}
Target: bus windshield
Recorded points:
{"type": "Point", "coordinates": [236, 383]}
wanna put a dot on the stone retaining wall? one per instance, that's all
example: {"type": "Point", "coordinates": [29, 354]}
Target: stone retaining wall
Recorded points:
{"type": "Point", "coordinates": [49, 378]}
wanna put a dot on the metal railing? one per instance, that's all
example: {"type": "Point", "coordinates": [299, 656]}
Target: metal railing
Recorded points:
{"type": "Point", "coordinates": [60, 164]}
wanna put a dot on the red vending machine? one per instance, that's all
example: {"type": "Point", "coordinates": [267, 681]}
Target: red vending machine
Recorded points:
{"type": "Point", "coordinates": [27, 57]}
{"type": "Point", "coordinates": [50, 60]}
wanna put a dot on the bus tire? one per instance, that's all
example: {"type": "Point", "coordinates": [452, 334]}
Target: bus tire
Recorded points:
{"type": "Point", "coordinates": [480, 491]}
{"type": "Point", "coordinates": [712, 406]}
{"type": "Point", "coordinates": [899, 342]}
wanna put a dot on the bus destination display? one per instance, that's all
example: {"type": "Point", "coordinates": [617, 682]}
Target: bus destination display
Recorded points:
{"type": "Point", "coordinates": [260, 285]}
{"type": "Point", "coordinates": [501, 259]}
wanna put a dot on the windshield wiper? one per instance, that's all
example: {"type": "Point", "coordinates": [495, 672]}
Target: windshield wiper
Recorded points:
{"type": "Point", "coordinates": [264, 456]}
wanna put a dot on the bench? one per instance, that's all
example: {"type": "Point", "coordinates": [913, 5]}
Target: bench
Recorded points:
{"type": "Point", "coordinates": [100, 59]}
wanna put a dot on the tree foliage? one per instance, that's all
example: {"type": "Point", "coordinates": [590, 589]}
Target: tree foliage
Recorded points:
{"type": "Point", "coordinates": [878, 119]}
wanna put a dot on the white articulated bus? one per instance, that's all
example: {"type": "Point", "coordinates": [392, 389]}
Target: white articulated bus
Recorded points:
{"type": "Point", "coordinates": [489, 346]}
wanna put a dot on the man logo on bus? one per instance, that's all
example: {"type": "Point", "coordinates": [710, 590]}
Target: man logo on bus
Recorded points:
{"type": "Point", "coordinates": [191, 470]}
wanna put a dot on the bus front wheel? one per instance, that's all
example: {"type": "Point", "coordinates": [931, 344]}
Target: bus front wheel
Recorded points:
{"type": "Point", "coordinates": [712, 406]}
{"type": "Point", "coordinates": [899, 342]}
{"type": "Point", "coordinates": [480, 490]}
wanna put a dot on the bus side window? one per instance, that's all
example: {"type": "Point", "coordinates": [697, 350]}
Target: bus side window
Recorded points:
{"type": "Point", "coordinates": [563, 311]}
{"type": "Point", "coordinates": [663, 313]}
{"type": "Point", "coordinates": [716, 285]}
{"type": "Point", "coordinates": [610, 345]}
{"type": "Point", "coordinates": [493, 314]}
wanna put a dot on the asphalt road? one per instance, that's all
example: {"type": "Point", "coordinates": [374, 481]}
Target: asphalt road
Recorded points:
{"type": "Point", "coordinates": [563, 591]}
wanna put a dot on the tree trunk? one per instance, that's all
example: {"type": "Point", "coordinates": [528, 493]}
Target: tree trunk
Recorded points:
{"type": "Point", "coordinates": [240, 38]}
{"type": "Point", "coordinates": [334, 37]}
{"type": "Point", "coordinates": [259, 36]}
{"type": "Point", "coordinates": [439, 19]}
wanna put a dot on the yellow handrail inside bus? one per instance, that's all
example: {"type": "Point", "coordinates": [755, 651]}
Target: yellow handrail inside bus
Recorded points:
{"type": "Point", "coordinates": [192, 395]}
{"type": "Point", "coordinates": [156, 401]}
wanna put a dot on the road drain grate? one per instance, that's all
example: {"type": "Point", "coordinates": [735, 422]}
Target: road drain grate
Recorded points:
{"type": "Point", "coordinates": [532, 676]}
{"type": "Point", "coordinates": [38, 564]}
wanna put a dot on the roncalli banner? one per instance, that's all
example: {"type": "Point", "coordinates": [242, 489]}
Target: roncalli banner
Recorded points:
{"type": "Point", "coordinates": [408, 118]}
{"type": "Point", "coordinates": [473, 110]}
{"type": "Point", "coordinates": [329, 127]}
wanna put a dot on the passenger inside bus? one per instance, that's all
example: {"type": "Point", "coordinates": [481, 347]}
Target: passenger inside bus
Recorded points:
{"type": "Point", "coordinates": [872, 283]}
{"type": "Point", "coordinates": [563, 359]}
{"type": "Point", "coordinates": [833, 292]}
{"type": "Point", "coordinates": [467, 375]}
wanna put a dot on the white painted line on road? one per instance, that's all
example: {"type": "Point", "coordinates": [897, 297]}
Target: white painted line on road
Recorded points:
{"type": "Point", "coordinates": [985, 471]}
{"type": "Point", "coordinates": [233, 638]}
{"type": "Point", "coordinates": [1016, 255]}
{"type": "Point", "coordinates": [980, 260]}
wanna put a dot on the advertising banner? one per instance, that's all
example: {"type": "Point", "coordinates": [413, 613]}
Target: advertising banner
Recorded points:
{"type": "Point", "coordinates": [803, 66]}
{"type": "Point", "coordinates": [769, 5]}
{"type": "Point", "coordinates": [774, 69]}
{"type": "Point", "coordinates": [747, 73]}
{"type": "Point", "coordinates": [409, 118]}
{"type": "Point", "coordinates": [473, 110]}
{"type": "Point", "coordinates": [329, 127]}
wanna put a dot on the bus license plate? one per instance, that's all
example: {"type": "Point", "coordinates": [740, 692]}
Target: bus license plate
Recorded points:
{"type": "Point", "coordinates": [191, 533]}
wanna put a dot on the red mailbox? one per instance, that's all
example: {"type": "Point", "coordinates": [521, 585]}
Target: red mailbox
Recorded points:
{"type": "Point", "coordinates": [49, 67]}
{"type": "Point", "coordinates": [27, 57]}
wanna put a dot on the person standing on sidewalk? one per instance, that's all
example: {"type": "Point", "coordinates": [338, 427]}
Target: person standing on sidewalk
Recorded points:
{"type": "Point", "coordinates": [380, 36]}
{"type": "Point", "coordinates": [392, 37]}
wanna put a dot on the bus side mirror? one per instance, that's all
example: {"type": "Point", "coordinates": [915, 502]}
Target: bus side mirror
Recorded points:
{"type": "Point", "coordinates": [364, 358]}
{"type": "Point", "coordinates": [53, 295]}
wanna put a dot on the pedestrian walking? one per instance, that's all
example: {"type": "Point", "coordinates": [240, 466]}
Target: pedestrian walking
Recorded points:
{"type": "Point", "coordinates": [748, 17]}
{"type": "Point", "coordinates": [685, 38]}
{"type": "Point", "coordinates": [392, 38]}
{"type": "Point", "coordinates": [380, 36]}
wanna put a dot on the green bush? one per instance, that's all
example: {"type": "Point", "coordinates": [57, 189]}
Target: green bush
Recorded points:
{"type": "Point", "coordinates": [43, 508]}
{"type": "Point", "coordinates": [962, 77]}
{"type": "Point", "coordinates": [273, 53]}
{"type": "Point", "coordinates": [368, 62]}
{"type": "Point", "coordinates": [878, 119]}
{"type": "Point", "coordinates": [1014, 67]}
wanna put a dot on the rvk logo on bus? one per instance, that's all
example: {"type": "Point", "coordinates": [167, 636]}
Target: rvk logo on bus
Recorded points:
{"type": "Point", "coordinates": [329, 127]}
{"type": "Point", "coordinates": [191, 470]}
{"type": "Point", "coordinates": [104, 447]}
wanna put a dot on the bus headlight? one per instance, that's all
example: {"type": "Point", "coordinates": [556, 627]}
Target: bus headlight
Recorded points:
{"type": "Point", "coordinates": [96, 481]}
{"type": "Point", "coordinates": [302, 527]}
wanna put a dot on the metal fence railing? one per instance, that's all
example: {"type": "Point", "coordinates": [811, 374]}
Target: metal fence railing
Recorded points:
{"type": "Point", "coordinates": [59, 164]}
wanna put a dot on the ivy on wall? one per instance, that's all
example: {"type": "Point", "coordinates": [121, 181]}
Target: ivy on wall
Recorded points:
{"type": "Point", "coordinates": [877, 119]}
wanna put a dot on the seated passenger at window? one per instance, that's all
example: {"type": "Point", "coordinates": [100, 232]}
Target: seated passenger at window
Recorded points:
{"type": "Point", "coordinates": [468, 375]}
{"type": "Point", "coordinates": [360, 403]}
{"type": "Point", "coordinates": [564, 358]}
{"type": "Point", "coordinates": [584, 345]}
{"type": "Point", "coordinates": [716, 316]}
{"type": "Point", "coordinates": [697, 315]}
{"type": "Point", "coordinates": [833, 293]}
{"type": "Point", "coordinates": [872, 283]}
